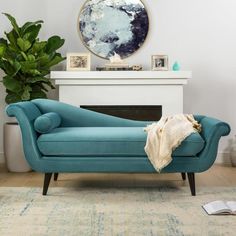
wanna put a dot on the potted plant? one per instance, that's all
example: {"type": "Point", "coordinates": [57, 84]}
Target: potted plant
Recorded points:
{"type": "Point", "coordinates": [26, 62]}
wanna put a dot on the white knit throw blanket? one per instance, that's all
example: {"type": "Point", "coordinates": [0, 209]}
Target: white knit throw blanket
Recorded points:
{"type": "Point", "coordinates": [166, 135]}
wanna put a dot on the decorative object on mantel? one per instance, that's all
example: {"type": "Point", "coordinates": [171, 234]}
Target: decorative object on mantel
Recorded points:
{"type": "Point", "coordinates": [119, 26]}
{"type": "Point", "coordinates": [117, 64]}
{"type": "Point", "coordinates": [137, 67]}
{"type": "Point", "coordinates": [159, 62]}
{"type": "Point", "coordinates": [129, 68]}
{"type": "Point", "coordinates": [176, 66]}
{"type": "Point", "coordinates": [78, 61]}
{"type": "Point", "coordinates": [26, 62]}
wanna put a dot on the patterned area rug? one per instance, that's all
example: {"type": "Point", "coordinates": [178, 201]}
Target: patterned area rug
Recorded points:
{"type": "Point", "coordinates": [108, 211]}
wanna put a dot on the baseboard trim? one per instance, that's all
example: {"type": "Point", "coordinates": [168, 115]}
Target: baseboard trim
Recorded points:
{"type": "Point", "coordinates": [2, 159]}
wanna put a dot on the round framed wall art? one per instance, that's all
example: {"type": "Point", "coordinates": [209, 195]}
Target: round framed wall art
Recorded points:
{"type": "Point", "coordinates": [107, 27]}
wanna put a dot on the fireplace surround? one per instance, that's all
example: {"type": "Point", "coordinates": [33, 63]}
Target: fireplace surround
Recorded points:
{"type": "Point", "coordinates": [123, 88]}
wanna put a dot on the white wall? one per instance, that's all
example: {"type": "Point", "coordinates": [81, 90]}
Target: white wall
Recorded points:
{"type": "Point", "coordinates": [201, 35]}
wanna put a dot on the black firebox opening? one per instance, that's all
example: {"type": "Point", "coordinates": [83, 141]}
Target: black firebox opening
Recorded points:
{"type": "Point", "coordinates": [144, 113]}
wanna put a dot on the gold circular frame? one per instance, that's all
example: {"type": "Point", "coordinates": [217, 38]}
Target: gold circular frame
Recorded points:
{"type": "Point", "coordinates": [81, 37]}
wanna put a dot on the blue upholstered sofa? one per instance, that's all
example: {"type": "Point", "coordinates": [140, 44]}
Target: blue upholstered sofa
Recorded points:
{"type": "Point", "coordinates": [61, 138]}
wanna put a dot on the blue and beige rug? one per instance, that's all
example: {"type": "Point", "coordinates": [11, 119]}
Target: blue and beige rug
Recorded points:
{"type": "Point", "coordinates": [109, 211]}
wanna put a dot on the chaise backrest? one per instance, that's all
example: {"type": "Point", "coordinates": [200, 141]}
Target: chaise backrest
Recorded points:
{"type": "Point", "coordinates": [72, 116]}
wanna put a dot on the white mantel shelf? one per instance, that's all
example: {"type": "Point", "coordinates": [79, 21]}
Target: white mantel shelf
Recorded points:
{"type": "Point", "coordinates": [162, 88]}
{"type": "Point", "coordinates": [120, 77]}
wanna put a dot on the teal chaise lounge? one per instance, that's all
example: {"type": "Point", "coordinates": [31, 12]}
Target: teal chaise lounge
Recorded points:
{"type": "Point", "coordinates": [60, 138]}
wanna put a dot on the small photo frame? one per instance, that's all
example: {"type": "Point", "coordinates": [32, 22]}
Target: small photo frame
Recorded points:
{"type": "Point", "coordinates": [159, 62]}
{"type": "Point", "coordinates": [78, 61]}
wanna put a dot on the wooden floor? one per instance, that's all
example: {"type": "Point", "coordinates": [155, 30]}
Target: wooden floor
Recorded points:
{"type": "Point", "coordinates": [217, 176]}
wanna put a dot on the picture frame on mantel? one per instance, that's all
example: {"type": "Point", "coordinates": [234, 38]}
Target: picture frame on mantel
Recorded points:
{"type": "Point", "coordinates": [78, 62]}
{"type": "Point", "coordinates": [160, 62]}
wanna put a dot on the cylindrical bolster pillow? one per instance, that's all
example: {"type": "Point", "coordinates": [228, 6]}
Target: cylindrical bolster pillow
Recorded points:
{"type": "Point", "coordinates": [47, 122]}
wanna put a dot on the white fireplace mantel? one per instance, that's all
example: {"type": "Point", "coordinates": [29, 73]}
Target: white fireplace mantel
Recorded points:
{"type": "Point", "coordinates": [163, 88]}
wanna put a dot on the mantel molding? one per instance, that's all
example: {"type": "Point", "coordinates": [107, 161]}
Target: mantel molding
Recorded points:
{"type": "Point", "coordinates": [121, 77]}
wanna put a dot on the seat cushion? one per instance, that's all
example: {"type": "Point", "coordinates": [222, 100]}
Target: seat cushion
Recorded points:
{"type": "Point", "coordinates": [107, 142]}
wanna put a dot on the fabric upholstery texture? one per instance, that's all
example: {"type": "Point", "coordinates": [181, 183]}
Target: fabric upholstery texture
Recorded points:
{"type": "Point", "coordinates": [27, 112]}
{"type": "Point", "coordinates": [107, 141]}
{"type": "Point", "coordinates": [47, 122]}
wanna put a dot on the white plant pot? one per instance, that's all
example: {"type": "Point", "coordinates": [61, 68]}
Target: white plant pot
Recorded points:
{"type": "Point", "coordinates": [233, 153]}
{"type": "Point", "coordinates": [233, 158]}
{"type": "Point", "coordinates": [13, 149]}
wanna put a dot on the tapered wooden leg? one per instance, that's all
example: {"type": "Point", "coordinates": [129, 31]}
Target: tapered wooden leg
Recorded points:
{"type": "Point", "coordinates": [191, 180]}
{"type": "Point", "coordinates": [183, 176]}
{"type": "Point", "coordinates": [55, 176]}
{"type": "Point", "coordinates": [47, 179]}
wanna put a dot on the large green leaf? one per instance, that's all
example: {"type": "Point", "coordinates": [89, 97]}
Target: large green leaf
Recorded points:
{"type": "Point", "coordinates": [32, 33]}
{"type": "Point", "coordinates": [26, 66]}
{"type": "Point", "coordinates": [17, 66]}
{"type": "Point", "coordinates": [44, 72]}
{"type": "Point", "coordinates": [7, 67]}
{"type": "Point", "coordinates": [54, 43]}
{"type": "Point", "coordinates": [43, 60]}
{"type": "Point", "coordinates": [37, 47]}
{"type": "Point", "coordinates": [11, 68]}
{"type": "Point", "coordinates": [2, 50]}
{"type": "Point", "coordinates": [12, 98]}
{"type": "Point", "coordinates": [3, 41]}
{"type": "Point", "coordinates": [2, 65]}
{"type": "Point", "coordinates": [57, 59]}
{"type": "Point", "coordinates": [13, 23]}
{"type": "Point", "coordinates": [30, 68]}
{"type": "Point", "coordinates": [12, 84]}
{"type": "Point", "coordinates": [12, 37]}
{"type": "Point", "coordinates": [11, 55]}
{"type": "Point", "coordinates": [31, 57]}
{"type": "Point", "coordinates": [26, 93]}
{"type": "Point", "coordinates": [23, 44]}
{"type": "Point", "coordinates": [37, 92]}
{"type": "Point", "coordinates": [24, 56]}
{"type": "Point", "coordinates": [38, 79]}
{"type": "Point", "coordinates": [27, 26]}
{"type": "Point", "coordinates": [34, 72]}
{"type": "Point", "coordinates": [3, 46]}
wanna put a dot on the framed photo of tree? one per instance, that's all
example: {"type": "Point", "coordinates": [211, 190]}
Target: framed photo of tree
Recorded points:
{"type": "Point", "coordinates": [78, 61]}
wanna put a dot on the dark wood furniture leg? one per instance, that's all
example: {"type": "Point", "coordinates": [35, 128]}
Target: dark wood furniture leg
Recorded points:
{"type": "Point", "coordinates": [191, 180]}
{"type": "Point", "coordinates": [183, 176]}
{"type": "Point", "coordinates": [47, 178]}
{"type": "Point", "coordinates": [55, 176]}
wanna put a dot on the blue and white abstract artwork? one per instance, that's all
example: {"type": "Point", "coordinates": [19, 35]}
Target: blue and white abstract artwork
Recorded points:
{"type": "Point", "coordinates": [113, 26]}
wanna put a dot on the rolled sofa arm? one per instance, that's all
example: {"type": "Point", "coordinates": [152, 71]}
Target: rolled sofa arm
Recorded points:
{"type": "Point", "coordinates": [212, 130]}
{"type": "Point", "coordinates": [26, 113]}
